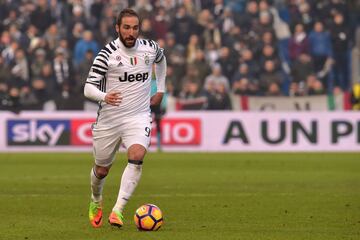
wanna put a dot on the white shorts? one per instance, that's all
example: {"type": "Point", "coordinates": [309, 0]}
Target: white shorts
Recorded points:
{"type": "Point", "coordinates": [129, 131]}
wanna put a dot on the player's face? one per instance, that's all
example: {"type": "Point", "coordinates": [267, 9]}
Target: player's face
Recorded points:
{"type": "Point", "coordinates": [128, 30]}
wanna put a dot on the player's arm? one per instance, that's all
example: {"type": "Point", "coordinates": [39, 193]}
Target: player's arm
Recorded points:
{"type": "Point", "coordinates": [95, 84]}
{"type": "Point", "coordinates": [160, 72]}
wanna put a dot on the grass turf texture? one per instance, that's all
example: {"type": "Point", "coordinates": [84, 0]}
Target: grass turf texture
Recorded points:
{"type": "Point", "coordinates": [202, 196]}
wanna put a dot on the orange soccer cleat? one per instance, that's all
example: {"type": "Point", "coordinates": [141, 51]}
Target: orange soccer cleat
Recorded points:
{"type": "Point", "coordinates": [116, 218]}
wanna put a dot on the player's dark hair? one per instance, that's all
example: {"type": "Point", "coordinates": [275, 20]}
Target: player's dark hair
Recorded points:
{"type": "Point", "coordinates": [127, 12]}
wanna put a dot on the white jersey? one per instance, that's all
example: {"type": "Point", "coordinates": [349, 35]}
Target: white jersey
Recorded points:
{"type": "Point", "coordinates": [128, 70]}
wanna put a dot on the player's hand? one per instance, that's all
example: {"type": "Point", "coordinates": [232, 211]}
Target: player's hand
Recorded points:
{"type": "Point", "coordinates": [156, 99]}
{"type": "Point", "coordinates": [113, 98]}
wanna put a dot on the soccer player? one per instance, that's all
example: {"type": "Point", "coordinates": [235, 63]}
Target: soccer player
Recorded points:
{"type": "Point", "coordinates": [120, 80]}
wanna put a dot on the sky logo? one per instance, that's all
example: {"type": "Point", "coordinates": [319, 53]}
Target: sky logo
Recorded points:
{"type": "Point", "coordinates": [38, 132]}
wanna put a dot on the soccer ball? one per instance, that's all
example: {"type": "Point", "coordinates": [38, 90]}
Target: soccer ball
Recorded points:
{"type": "Point", "coordinates": [148, 217]}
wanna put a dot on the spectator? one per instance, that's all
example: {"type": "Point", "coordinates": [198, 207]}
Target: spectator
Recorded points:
{"type": "Point", "coordinates": [59, 13]}
{"type": "Point", "coordinates": [144, 8]}
{"type": "Point", "coordinates": [249, 18]}
{"type": "Point", "coordinates": [47, 76]}
{"type": "Point", "coordinates": [247, 57]}
{"type": "Point", "coordinates": [241, 86]}
{"type": "Point", "coordinates": [320, 46]}
{"type": "Point", "coordinates": [9, 52]}
{"type": "Point", "coordinates": [5, 101]}
{"type": "Point", "coordinates": [30, 36]}
{"type": "Point", "coordinates": [211, 53]}
{"type": "Point", "coordinates": [182, 26]}
{"type": "Point", "coordinates": [299, 43]}
{"type": "Point", "coordinates": [83, 45]}
{"type": "Point", "coordinates": [191, 48]}
{"type": "Point", "coordinates": [106, 33]}
{"type": "Point", "coordinates": [21, 66]}
{"type": "Point", "coordinates": [242, 72]}
{"type": "Point", "coordinates": [4, 72]}
{"type": "Point", "coordinates": [178, 63]}
{"type": "Point", "coordinates": [244, 86]}
{"type": "Point", "coordinates": [160, 23]}
{"type": "Point", "coordinates": [191, 97]}
{"type": "Point", "coordinates": [78, 16]}
{"type": "Point", "coordinates": [75, 35]}
{"type": "Point", "coordinates": [64, 46]}
{"type": "Point", "coordinates": [227, 61]}
{"type": "Point", "coordinates": [355, 58]}
{"type": "Point", "coordinates": [340, 36]}
{"type": "Point", "coordinates": [16, 34]}
{"type": "Point", "coordinates": [172, 82]}
{"type": "Point", "coordinates": [218, 97]}
{"type": "Point", "coordinates": [264, 24]}
{"type": "Point", "coordinates": [202, 66]}
{"type": "Point", "coordinates": [39, 95]}
{"type": "Point", "coordinates": [62, 71]}
{"type": "Point", "coordinates": [273, 90]}
{"type": "Point", "coordinates": [83, 71]}
{"type": "Point", "coordinates": [169, 48]}
{"type": "Point", "coordinates": [13, 18]}
{"type": "Point", "coordinates": [331, 7]}
{"type": "Point", "coordinates": [269, 53]}
{"type": "Point", "coordinates": [218, 8]}
{"type": "Point", "coordinates": [38, 63]}
{"type": "Point", "coordinates": [190, 90]}
{"type": "Point", "coordinates": [211, 34]}
{"type": "Point", "coordinates": [306, 16]}
{"type": "Point", "coordinates": [191, 9]}
{"type": "Point", "coordinates": [268, 76]}
{"type": "Point", "coordinates": [297, 89]}
{"type": "Point", "coordinates": [302, 68]}
{"type": "Point", "coordinates": [268, 38]}
{"type": "Point", "coordinates": [216, 78]}
{"type": "Point", "coordinates": [232, 39]}
{"type": "Point", "coordinates": [52, 36]}
{"type": "Point", "coordinates": [96, 10]}
{"type": "Point", "coordinates": [314, 86]}
{"type": "Point", "coordinates": [252, 83]}
{"type": "Point", "coordinates": [192, 74]}
{"type": "Point", "coordinates": [226, 22]}
{"type": "Point", "coordinates": [147, 31]}
{"type": "Point", "coordinates": [203, 19]}
{"type": "Point", "coordinates": [41, 18]}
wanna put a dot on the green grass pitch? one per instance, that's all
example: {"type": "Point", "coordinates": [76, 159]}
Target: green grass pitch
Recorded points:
{"type": "Point", "coordinates": [203, 196]}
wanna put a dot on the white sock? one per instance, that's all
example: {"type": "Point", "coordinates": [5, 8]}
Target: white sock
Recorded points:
{"type": "Point", "coordinates": [129, 181]}
{"type": "Point", "coordinates": [96, 186]}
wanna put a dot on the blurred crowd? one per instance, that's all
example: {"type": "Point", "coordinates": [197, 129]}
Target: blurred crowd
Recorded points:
{"type": "Point", "coordinates": [214, 48]}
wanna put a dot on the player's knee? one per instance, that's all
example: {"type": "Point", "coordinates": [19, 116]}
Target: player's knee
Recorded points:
{"type": "Point", "coordinates": [136, 156]}
{"type": "Point", "coordinates": [101, 172]}
{"type": "Point", "coordinates": [136, 152]}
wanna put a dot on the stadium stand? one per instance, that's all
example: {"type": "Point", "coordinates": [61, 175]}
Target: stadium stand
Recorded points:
{"type": "Point", "coordinates": [222, 54]}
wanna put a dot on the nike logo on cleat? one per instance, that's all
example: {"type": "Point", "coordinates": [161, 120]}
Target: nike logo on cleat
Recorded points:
{"type": "Point", "coordinates": [98, 222]}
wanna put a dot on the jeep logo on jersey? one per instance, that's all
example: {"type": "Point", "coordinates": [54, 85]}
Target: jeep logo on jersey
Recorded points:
{"type": "Point", "coordinates": [134, 77]}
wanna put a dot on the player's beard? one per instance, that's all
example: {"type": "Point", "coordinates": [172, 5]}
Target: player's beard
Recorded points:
{"type": "Point", "coordinates": [126, 44]}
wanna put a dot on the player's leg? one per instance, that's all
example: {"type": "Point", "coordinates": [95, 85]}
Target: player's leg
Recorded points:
{"type": "Point", "coordinates": [136, 140]}
{"type": "Point", "coordinates": [97, 179]}
{"type": "Point", "coordinates": [157, 115]}
{"type": "Point", "coordinates": [105, 146]}
{"type": "Point", "coordinates": [131, 175]}
{"type": "Point", "coordinates": [129, 180]}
